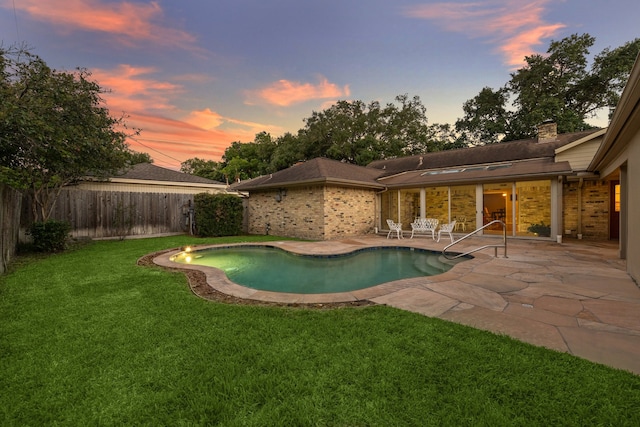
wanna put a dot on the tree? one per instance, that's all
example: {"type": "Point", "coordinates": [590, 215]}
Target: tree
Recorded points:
{"type": "Point", "coordinates": [203, 168]}
{"type": "Point", "coordinates": [558, 86]}
{"type": "Point", "coordinates": [136, 158]}
{"type": "Point", "coordinates": [355, 132]}
{"type": "Point", "coordinates": [486, 119]}
{"type": "Point", "coordinates": [54, 129]}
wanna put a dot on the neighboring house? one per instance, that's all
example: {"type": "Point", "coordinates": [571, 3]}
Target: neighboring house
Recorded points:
{"type": "Point", "coordinates": [143, 200]}
{"type": "Point", "coordinates": [618, 161]}
{"type": "Point", "coordinates": [149, 178]}
{"type": "Point", "coordinates": [521, 183]}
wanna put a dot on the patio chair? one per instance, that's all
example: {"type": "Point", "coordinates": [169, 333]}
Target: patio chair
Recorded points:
{"type": "Point", "coordinates": [461, 223]}
{"type": "Point", "coordinates": [447, 228]}
{"type": "Point", "coordinates": [394, 226]}
{"type": "Point", "coordinates": [425, 225]}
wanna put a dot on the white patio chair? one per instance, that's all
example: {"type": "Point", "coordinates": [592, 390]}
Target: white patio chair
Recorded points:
{"type": "Point", "coordinates": [394, 226]}
{"type": "Point", "coordinates": [461, 223]}
{"type": "Point", "coordinates": [447, 228]}
{"type": "Point", "coordinates": [424, 225]}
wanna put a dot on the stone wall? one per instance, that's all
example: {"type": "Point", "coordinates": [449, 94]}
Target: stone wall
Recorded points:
{"type": "Point", "coordinates": [312, 212]}
{"type": "Point", "coordinates": [594, 212]}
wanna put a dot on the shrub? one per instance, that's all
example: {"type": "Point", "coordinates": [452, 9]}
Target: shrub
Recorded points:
{"type": "Point", "coordinates": [50, 235]}
{"type": "Point", "coordinates": [541, 229]}
{"type": "Point", "coordinates": [218, 215]}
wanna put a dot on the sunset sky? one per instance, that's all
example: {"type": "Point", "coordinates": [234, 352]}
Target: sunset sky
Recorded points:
{"type": "Point", "coordinates": [196, 75]}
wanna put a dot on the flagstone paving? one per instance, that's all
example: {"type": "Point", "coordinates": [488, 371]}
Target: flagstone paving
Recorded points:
{"type": "Point", "coordinates": [573, 297]}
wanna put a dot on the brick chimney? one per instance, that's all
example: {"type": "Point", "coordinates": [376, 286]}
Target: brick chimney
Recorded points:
{"type": "Point", "coordinates": [547, 131]}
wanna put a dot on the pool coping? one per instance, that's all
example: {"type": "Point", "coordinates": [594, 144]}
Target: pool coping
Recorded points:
{"type": "Point", "coordinates": [218, 280]}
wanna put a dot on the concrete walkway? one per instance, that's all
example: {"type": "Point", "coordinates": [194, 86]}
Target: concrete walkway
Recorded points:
{"type": "Point", "coordinates": [572, 297]}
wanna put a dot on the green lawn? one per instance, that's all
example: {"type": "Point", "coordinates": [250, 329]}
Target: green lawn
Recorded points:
{"type": "Point", "coordinates": [88, 337]}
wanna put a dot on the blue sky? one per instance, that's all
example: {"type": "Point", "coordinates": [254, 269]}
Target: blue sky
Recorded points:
{"type": "Point", "coordinates": [195, 76]}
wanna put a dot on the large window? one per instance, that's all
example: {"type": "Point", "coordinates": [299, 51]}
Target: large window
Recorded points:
{"type": "Point", "coordinates": [497, 205]}
{"type": "Point", "coordinates": [533, 208]}
{"type": "Point", "coordinates": [437, 203]}
{"type": "Point", "coordinates": [463, 207]}
{"type": "Point", "coordinates": [409, 206]}
{"type": "Point", "coordinates": [388, 207]}
{"type": "Point", "coordinates": [524, 207]}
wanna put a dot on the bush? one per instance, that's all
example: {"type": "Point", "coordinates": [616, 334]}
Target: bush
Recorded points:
{"type": "Point", "coordinates": [50, 236]}
{"type": "Point", "coordinates": [218, 215]}
{"type": "Point", "coordinates": [541, 229]}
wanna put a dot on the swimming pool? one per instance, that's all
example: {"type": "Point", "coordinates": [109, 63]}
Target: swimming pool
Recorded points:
{"type": "Point", "coordinates": [277, 270]}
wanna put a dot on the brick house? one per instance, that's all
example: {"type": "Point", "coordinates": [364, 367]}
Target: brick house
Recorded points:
{"type": "Point", "coordinates": [539, 187]}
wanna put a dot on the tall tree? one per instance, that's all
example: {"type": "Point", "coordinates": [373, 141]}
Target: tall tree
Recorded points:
{"type": "Point", "coordinates": [559, 86]}
{"type": "Point", "coordinates": [355, 132]}
{"type": "Point", "coordinates": [54, 129]}
{"type": "Point", "coordinates": [486, 119]}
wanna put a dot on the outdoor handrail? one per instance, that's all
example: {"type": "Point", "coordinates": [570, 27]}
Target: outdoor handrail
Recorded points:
{"type": "Point", "coordinates": [503, 245]}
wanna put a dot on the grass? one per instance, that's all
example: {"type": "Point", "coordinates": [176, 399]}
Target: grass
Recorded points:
{"type": "Point", "coordinates": [88, 337]}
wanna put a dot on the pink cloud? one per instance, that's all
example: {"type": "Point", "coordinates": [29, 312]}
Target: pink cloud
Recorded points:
{"type": "Point", "coordinates": [130, 22]}
{"type": "Point", "coordinates": [516, 26]}
{"type": "Point", "coordinates": [170, 142]}
{"type": "Point", "coordinates": [130, 90]}
{"type": "Point", "coordinates": [201, 134]}
{"type": "Point", "coordinates": [147, 102]}
{"type": "Point", "coordinates": [284, 93]}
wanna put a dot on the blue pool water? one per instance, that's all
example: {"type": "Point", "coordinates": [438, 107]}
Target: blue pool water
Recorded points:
{"type": "Point", "coordinates": [273, 269]}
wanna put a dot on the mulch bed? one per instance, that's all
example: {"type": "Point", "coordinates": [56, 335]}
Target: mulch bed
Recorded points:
{"type": "Point", "coordinates": [199, 286]}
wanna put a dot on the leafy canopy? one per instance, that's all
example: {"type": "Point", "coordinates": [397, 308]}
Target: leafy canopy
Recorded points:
{"type": "Point", "coordinates": [558, 86]}
{"type": "Point", "coordinates": [349, 131]}
{"type": "Point", "coordinates": [54, 129]}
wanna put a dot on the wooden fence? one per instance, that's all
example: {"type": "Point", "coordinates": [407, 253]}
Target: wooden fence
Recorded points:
{"type": "Point", "coordinates": [10, 205]}
{"type": "Point", "coordinates": [98, 214]}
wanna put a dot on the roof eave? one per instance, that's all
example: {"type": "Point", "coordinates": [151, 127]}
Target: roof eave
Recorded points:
{"type": "Point", "coordinates": [319, 181]}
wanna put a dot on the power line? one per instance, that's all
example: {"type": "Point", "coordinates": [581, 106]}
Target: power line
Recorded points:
{"type": "Point", "coordinates": [157, 151]}
{"type": "Point", "coordinates": [15, 17]}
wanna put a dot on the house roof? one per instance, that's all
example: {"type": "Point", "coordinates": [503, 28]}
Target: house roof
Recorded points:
{"type": "Point", "coordinates": [151, 172]}
{"type": "Point", "coordinates": [528, 158]}
{"type": "Point", "coordinates": [528, 169]}
{"type": "Point", "coordinates": [316, 171]}
{"type": "Point", "coordinates": [525, 149]}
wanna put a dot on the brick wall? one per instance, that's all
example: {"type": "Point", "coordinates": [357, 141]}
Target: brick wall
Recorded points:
{"type": "Point", "coordinates": [312, 212]}
{"type": "Point", "coordinates": [348, 212]}
{"type": "Point", "coordinates": [594, 212]}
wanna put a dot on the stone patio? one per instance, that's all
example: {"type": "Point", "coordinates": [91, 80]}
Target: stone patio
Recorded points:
{"type": "Point", "coordinates": [572, 297]}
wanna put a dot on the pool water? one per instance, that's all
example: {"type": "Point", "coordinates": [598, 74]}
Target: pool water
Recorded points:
{"type": "Point", "coordinates": [273, 269]}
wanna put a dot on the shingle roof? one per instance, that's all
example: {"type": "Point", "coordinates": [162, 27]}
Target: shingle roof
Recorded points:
{"type": "Point", "coordinates": [526, 158]}
{"type": "Point", "coordinates": [507, 151]}
{"type": "Point", "coordinates": [150, 172]}
{"type": "Point", "coordinates": [316, 171]}
{"type": "Point", "coordinates": [530, 169]}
